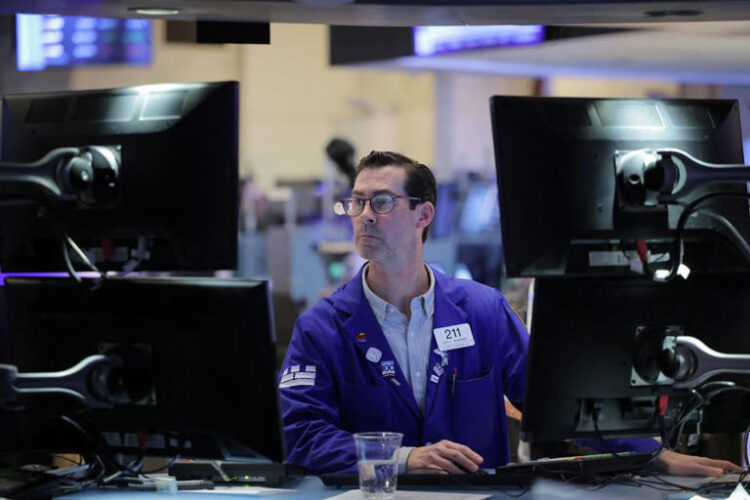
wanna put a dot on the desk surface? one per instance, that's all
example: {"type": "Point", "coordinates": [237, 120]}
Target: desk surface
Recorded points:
{"type": "Point", "coordinates": [311, 488]}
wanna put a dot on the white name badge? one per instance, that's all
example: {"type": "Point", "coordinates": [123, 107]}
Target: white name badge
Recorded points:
{"type": "Point", "coordinates": [453, 337]}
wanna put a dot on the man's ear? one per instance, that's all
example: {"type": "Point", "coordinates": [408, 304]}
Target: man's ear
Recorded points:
{"type": "Point", "coordinates": [426, 212]}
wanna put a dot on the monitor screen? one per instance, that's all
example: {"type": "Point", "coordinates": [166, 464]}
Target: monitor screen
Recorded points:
{"type": "Point", "coordinates": [198, 361]}
{"type": "Point", "coordinates": [177, 198]}
{"type": "Point", "coordinates": [434, 40]}
{"type": "Point", "coordinates": [582, 351]}
{"type": "Point", "coordinates": [50, 41]}
{"type": "Point", "coordinates": [555, 160]}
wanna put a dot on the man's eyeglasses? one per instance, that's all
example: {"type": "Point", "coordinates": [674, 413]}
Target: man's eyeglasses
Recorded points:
{"type": "Point", "coordinates": [382, 203]}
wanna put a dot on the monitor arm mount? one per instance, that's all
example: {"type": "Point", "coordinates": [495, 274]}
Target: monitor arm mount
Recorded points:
{"type": "Point", "coordinates": [647, 177]}
{"type": "Point", "coordinates": [96, 381]}
{"type": "Point", "coordinates": [690, 362]}
{"type": "Point", "coordinates": [664, 356]}
{"type": "Point", "coordinates": [88, 175]}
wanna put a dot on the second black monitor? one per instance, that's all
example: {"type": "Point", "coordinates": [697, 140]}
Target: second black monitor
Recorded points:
{"type": "Point", "coordinates": [584, 347]}
{"type": "Point", "coordinates": [178, 177]}
{"type": "Point", "coordinates": [198, 359]}
{"type": "Point", "coordinates": [555, 173]}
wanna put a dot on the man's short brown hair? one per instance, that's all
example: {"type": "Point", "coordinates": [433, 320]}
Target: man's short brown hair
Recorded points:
{"type": "Point", "coordinates": [420, 182]}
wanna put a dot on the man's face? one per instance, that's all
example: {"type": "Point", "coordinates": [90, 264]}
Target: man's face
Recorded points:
{"type": "Point", "coordinates": [382, 237]}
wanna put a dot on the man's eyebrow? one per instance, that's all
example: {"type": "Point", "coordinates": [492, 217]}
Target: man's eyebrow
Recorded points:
{"type": "Point", "coordinates": [375, 193]}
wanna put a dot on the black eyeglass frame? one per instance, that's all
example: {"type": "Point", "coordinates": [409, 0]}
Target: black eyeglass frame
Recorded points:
{"type": "Point", "coordinates": [340, 206]}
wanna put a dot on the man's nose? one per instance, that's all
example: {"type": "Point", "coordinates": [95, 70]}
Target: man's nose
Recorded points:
{"type": "Point", "coordinates": [368, 215]}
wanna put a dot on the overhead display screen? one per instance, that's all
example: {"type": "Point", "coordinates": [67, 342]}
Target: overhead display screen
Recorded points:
{"type": "Point", "coordinates": [48, 41]}
{"type": "Point", "coordinates": [432, 40]}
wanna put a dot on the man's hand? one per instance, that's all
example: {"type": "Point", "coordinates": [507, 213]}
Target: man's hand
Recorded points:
{"type": "Point", "coordinates": [445, 457]}
{"type": "Point", "coordinates": [679, 464]}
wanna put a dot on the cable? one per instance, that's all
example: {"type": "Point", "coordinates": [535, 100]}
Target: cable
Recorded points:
{"type": "Point", "coordinates": [698, 400]}
{"type": "Point", "coordinates": [524, 490]}
{"type": "Point", "coordinates": [659, 257]}
{"type": "Point", "coordinates": [86, 434]}
{"type": "Point", "coordinates": [67, 241]}
{"type": "Point", "coordinates": [73, 485]}
{"type": "Point", "coordinates": [133, 468]}
{"type": "Point", "coordinates": [740, 244]}
{"type": "Point", "coordinates": [659, 479]}
{"type": "Point", "coordinates": [655, 259]}
{"type": "Point", "coordinates": [98, 447]}
{"type": "Point", "coordinates": [595, 418]}
{"type": "Point", "coordinates": [690, 207]}
{"type": "Point", "coordinates": [682, 222]}
{"type": "Point", "coordinates": [702, 400]}
{"type": "Point", "coordinates": [66, 259]}
{"type": "Point", "coordinates": [742, 476]}
{"type": "Point", "coordinates": [84, 258]}
{"type": "Point", "coordinates": [705, 488]}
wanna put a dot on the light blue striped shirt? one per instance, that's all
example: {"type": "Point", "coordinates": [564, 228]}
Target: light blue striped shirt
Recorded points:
{"type": "Point", "coordinates": [409, 339]}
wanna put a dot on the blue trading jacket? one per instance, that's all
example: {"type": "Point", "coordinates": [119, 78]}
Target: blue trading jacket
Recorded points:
{"type": "Point", "coordinates": [329, 389]}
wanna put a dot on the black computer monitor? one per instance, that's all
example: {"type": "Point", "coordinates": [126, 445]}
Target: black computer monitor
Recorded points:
{"type": "Point", "coordinates": [206, 386]}
{"type": "Point", "coordinates": [555, 161]}
{"type": "Point", "coordinates": [583, 349]}
{"type": "Point", "coordinates": [178, 177]}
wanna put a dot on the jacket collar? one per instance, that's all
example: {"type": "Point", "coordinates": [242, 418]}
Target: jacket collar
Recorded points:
{"type": "Point", "coordinates": [350, 297]}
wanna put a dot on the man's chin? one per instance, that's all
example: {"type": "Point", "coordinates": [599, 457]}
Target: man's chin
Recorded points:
{"type": "Point", "coordinates": [367, 252]}
{"type": "Point", "coordinates": [367, 255]}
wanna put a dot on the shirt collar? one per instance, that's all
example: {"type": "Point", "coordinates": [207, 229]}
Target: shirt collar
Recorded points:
{"type": "Point", "coordinates": [428, 298]}
{"type": "Point", "coordinates": [381, 308]}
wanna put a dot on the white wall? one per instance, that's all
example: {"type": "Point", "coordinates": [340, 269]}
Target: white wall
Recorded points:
{"type": "Point", "coordinates": [588, 87]}
{"type": "Point", "coordinates": [464, 129]}
{"type": "Point", "coordinates": [297, 103]}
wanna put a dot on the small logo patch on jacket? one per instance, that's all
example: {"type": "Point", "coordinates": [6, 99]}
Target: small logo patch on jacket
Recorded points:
{"type": "Point", "coordinates": [295, 375]}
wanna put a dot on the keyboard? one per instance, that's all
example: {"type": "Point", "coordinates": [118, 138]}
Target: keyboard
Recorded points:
{"type": "Point", "coordinates": [603, 464]}
{"type": "Point", "coordinates": [581, 467]}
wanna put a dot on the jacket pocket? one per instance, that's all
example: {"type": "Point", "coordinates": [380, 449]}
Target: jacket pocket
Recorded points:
{"type": "Point", "coordinates": [364, 408]}
{"type": "Point", "coordinates": [476, 412]}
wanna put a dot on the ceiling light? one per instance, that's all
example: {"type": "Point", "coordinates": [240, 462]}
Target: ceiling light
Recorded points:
{"type": "Point", "coordinates": [155, 11]}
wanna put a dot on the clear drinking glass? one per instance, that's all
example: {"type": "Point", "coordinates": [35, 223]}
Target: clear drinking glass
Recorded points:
{"type": "Point", "coordinates": [378, 468]}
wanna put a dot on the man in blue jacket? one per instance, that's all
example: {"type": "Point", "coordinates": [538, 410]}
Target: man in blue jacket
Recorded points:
{"type": "Point", "coordinates": [402, 347]}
